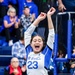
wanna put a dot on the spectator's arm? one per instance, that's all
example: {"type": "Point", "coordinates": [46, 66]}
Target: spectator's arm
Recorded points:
{"type": "Point", "coordinates": [6, 25]}
{"type": "Point", "coordinates": [35, 12]}
{"type": "Point", "coordinates": [32, 17]}
{"type": "Point", "coordinates": [16, 21]}
{"type": "Point", "coordinates": [61, 6]}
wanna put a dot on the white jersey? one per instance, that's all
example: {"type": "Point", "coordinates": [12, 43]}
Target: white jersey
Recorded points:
{"type": "Point", "coordinates": [35, 64]}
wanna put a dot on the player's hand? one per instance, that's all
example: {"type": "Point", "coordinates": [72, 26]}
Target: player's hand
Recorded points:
{"type": "Point", "coordinates": [51, 11]}
{"type": "Point", "coordinates": [61, 7]}
{"type": "Point", "coordinates": [42, 16]}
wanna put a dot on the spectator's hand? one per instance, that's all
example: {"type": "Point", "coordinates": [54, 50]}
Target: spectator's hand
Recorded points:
{"type": "Point", "coordinates": [1, 1]}
{"type": "Point", "coordinates": [73, 65]}
{"type": "Point", "coordinates": [33, 18]}
{"type": "Point", "coordinates": [23, 68]}
{"type": "Point", "coordinates": [9, 6]}
{"type": "Point", "coordinates": [42, 16]}
{"type": "Point", "coordinates": [16, 23]}
{"type": "Point", "coordinates": [15, 72]}
{"type": "Point", "coordinates": [12, 20]}
{"type": "Point", "coordinates": [15, 19]}
{"type": "Point", "coordinates": [61, 7]}
{"type": "Point", "coordinates": [51, 11]}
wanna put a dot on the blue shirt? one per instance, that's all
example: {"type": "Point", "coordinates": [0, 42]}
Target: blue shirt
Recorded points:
{"type": "Point", "coordinates": [21, 6]}
{"type": "Point", "coordinates": [6, 2]}
{"type": "Point", "coordinates": [69, 2]}
{"type": "Point", "coordinates": [33, 8]}
{"type": "Point", "coordinates": [7, 18]}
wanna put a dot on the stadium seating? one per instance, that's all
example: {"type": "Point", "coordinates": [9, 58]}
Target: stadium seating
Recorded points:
{"type": "Point", "coordinates": [5, 56]}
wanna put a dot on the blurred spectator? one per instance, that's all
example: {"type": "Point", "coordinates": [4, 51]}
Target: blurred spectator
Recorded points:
{"type": "Point", "coordinates": [66, 5]}
{"type": "Point", "coordinates": [18, 49]}
{"type": "Point", "coordinates": [14, 68]}
{"type": "Point", "coordinates": [15, 5]}
{"type": "Point", "coordinates": [4, 4]}
{"type": "Point", "coordinates": [72, 64]}
{"type": "Point", "coordinates": [33, 8]}
{"type": "Point", "coordinates": [61, 65]}
{"type": "Point", "coordinates": [10, 24]}
{"type": "Point", "coordinates": [20, 7]}
{"type": "Point", "coordinates": [26, 18]}
{"type": "Point", "coordinates": [69, 6]}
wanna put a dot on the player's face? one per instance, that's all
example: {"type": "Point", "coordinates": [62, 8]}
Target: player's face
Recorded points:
{"type": "Point", "coordinates": [37, 44]}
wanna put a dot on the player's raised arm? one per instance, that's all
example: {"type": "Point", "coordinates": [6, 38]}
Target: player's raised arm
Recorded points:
{"type": "Point", "coordinates": [50, 40]}
{"type": "Point", "coordinates": [30, 30]}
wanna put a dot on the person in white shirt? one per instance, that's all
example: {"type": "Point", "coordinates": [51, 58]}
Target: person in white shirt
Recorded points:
{"type": "Point", "coordinates": [38, 55]}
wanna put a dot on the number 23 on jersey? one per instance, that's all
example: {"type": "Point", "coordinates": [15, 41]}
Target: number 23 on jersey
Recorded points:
{"type": "Point", "coordinates": [32, 64]}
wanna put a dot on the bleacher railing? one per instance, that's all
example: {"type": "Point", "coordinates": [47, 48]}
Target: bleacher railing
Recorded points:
{"type": "Point", "coordinates": [69, 41]}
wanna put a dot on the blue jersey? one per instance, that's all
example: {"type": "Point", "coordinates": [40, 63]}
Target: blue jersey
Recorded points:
{"type": "Point", "coordinates": [38, 64]}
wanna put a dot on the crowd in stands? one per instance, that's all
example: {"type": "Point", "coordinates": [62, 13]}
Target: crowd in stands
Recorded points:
{"type": "Point", "coordinates": [28, 27]}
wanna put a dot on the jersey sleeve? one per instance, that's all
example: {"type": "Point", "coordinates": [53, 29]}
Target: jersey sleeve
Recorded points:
{"type": "Point", "coordinates": [28, 50]}
{"type": "Point", "coordinates": [50, 41]}
{"type": "Point", "coordinates": [28, 34]}
{"type": "Point", "coordinates": [47, 51]}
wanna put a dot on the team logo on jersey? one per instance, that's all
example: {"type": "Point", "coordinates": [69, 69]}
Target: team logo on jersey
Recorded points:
{"type": "Point", "coordinates": [34, 58]}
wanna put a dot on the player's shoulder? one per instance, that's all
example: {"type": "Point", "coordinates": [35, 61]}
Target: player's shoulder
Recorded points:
{"type": "Point", "coordinates": [31, 53]}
